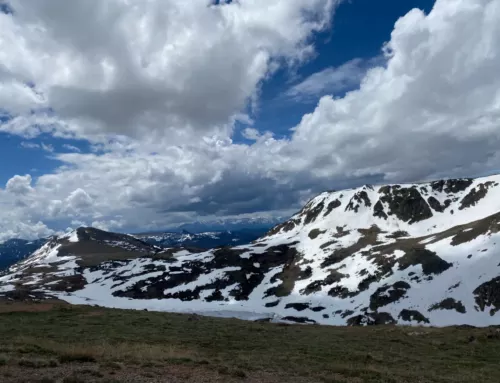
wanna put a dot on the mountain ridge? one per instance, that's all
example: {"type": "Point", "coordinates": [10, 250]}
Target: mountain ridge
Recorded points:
{"type": "Point", "coordinates": [401, 253]}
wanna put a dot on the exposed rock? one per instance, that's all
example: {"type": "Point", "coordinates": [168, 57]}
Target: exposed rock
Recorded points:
{"type": "Point", "coordinates": [474, 196]}
{"type": "Point", "coordinates": [436, 205]}
{"type": "Point", "coordinates": [412, 316]}
{"type": "Point", "coordinates": [297, 306]}
{"type": "Point", "coordinates": [452, 186]}
{"type": "Point", "coordinates": [312, 214]}
{"type": "Point", "coordinates": [331, 206]}
{"type": "Point", "coordinates": [285, 226]}
{"type": "Point", "coordinates": [345, 314]}
{"type": "Point", "coordinates": [299, 319]}
{"type": "Point", "coordinates": [314, 233]}
{"type": "Point", "coordinates": [431, 263]}
{"type": "Point", "coordinates": [488, 295]}
{"type": "Point", "coordinates": [315, 286]}
{"type": "Point", "coordinates": [449, 304]}
{"type": "Point", "coordinates": [327, 244]}
{"type": "Point", "coordinates": [398, 234]}
{"type": "Point", "coordinates": [388, 294]}
{"type": "Point", "coordinates": [358, 199]}
{"type": "Point", "coordinates": [406, 203]}
{"type": "Point", "coordinates": [378, 210]}
{"type": "Point", "coordinates": [318, 308]}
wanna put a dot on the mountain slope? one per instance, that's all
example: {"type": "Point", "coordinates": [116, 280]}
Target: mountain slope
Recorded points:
{"type": "Point", "coordinates": [411, 254]}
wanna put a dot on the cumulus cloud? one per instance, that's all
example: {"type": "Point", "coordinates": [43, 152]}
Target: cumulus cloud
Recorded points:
{"type": "Point", "coordinates": [25, 230]}
{"type": "Point", "coordinates": [433, 111]}
{"type": "Point", "coordinates": [19, 185]}
{"type": "Point", "coordinates": [430, 111]}
{"type": "Point", "coordinates": [251, 133]}
{"type": "Point", "coordinates": [126, 67]}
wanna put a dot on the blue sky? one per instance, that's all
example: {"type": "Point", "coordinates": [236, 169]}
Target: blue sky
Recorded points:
{"type": "Point", "coordinates": [145, 117]}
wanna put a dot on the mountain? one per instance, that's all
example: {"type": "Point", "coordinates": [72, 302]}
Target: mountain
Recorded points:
{"type": "Point", "coordinates": [421, 253]}
{"type": "Point", "coordinates": [14, 250]}
{"type": "Point", "coordinates": [229, 224]}
{"type": "Point", "coordinates": [205, 240]}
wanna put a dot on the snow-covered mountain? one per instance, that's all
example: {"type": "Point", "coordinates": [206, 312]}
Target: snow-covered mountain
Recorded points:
{"type": "Point", "coordinates": [411, 254]}
{"type": "Point", "coordinates": [205, 240]}
{"type": "Point", "coordinates": [13, 250]}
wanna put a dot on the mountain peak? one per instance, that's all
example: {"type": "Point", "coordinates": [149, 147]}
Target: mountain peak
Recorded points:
{"type": "Point", "coordinates": [417, 208]}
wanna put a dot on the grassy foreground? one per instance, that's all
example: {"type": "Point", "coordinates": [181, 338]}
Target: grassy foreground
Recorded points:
{"type": "Point", "coordinates": [71, 344]}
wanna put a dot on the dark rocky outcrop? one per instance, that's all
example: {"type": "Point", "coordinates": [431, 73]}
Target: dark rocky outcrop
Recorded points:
{"type": "Point", "coordinates": [315, 286]}
{"type": "Point", "coordinates": [449, 304]}
{"type": "Point", "coordinates": [412, 316]}
{"type": "Point", "coordinates": [245, 279]}
{"type": "Point", "coordinates": [436, 205]}
{"type": "Point", "coordinates": [474, 196]}
{"type": "Point", "coordinates": [312, 214]}
{"type": "Point", "coordinates": [303, 320]}
{"type": "Point", "coordinates": [488, 295]}
{"type": "Point", "coordinates": [378, 210]}
{"type": "Point", "coordinates": [314, 233]}
{"type": "Point", "coordinates": [285, 226]}
{"type": "Point", "coordinates": [405, 203]}
{"type": "Point", "coordinates": [358, 199]}
{"type": "Point", "coordinates": [272, 304]}
{"type": "Point", "coordinates": [331, 206]}
{"type": "Point", "coordinates": [297, 306]}
{"type": "Point", "coordinates": [452, 186]}
{"type": "Point", "coordinates": [431, 263]}
{"type": "Point", "coordinates": [388, 294]}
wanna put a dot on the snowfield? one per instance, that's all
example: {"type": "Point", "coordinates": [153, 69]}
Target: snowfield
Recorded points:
{"type": "Point", "coordinates": [419, 254]}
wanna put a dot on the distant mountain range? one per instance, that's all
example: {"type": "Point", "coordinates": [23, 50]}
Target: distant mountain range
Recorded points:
{"type": "Point", "coordinates": [14, 250]}
{"type": "Point", "coordinates": [204, 240]}
{"type": "Point", "coordinates": [420, 254]}
{"type": "Point", "coordinates": [229, 224]}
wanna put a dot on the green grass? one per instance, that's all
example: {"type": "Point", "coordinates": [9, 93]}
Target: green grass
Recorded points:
{"type": "Point", "coordinates": [118, 340]}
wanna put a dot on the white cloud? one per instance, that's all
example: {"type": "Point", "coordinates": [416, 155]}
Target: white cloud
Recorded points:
{"type": "Point", "coordinates": [136, 66]}
{"type": "Point", "coordinates": [431, 111]}
{"type": "Point", "coordinates": [71, 148]}
{"type": "Point", "coordinates": [19, 185]}
{"type": "Point", "coordinates": [33, 145]}
{"type": "Point", "coordinates": [47, 147]}
{"type": "Point", "coordinates": [30, 145]}
{"type": "Point", "coordinates": [251, 134]}
{"type": "Point", "coordinates": [25, 230]}
{"type": "Point", "coordinates": [329, 81]}
{"type": "Point", "coordinates": [79, 200]}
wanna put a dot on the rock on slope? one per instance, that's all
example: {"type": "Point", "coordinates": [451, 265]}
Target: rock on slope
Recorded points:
{"type": "Point", "coordinates": [409, 254]}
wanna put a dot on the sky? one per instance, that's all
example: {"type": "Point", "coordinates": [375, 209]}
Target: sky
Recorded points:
{"type": "Point", "coordinates": [134, 115]}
